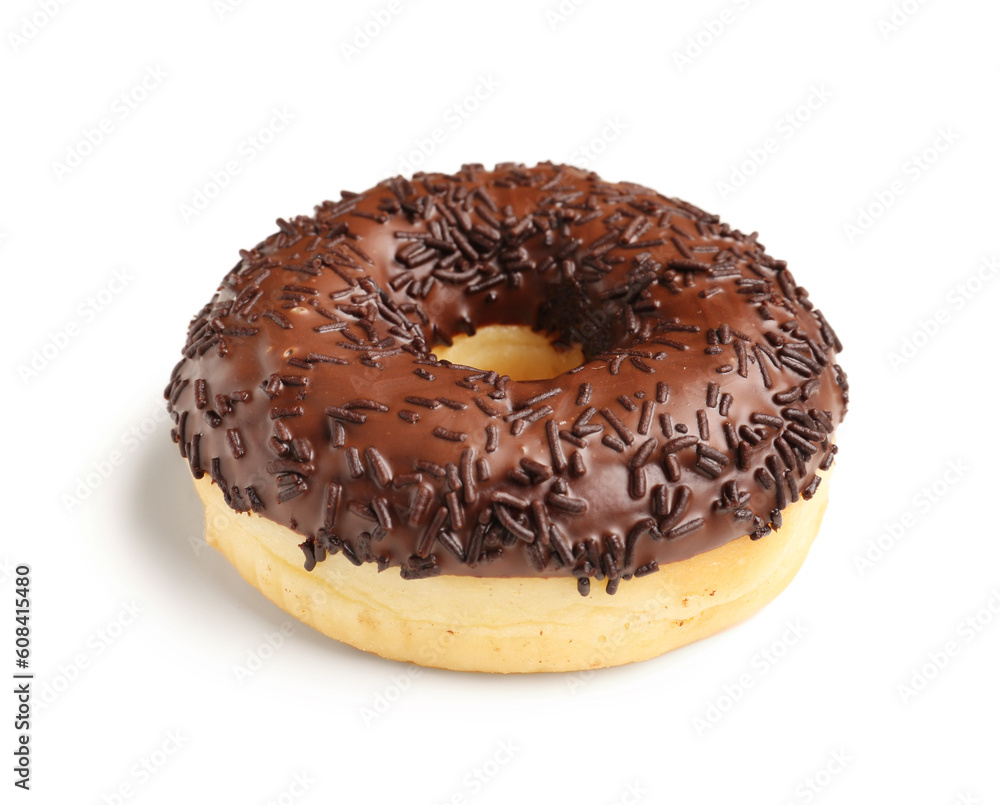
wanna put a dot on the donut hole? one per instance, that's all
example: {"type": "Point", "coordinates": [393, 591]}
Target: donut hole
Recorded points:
{"type": "Point", "coordinates": [511, 349]}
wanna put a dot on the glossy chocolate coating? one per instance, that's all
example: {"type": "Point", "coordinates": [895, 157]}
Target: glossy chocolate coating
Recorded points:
{"type": "Point", "coordinates": [309, 393]}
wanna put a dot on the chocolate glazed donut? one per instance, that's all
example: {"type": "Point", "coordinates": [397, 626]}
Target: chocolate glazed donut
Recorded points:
{"type": "Point", "coordinates": [310, 394]}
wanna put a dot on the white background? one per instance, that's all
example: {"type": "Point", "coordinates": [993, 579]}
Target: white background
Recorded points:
{"type": "Point", "coordinates": [139, 631]}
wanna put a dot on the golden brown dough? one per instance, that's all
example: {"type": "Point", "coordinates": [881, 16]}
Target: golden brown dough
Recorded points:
{"type": "Point", "coordinates": [514, 625]}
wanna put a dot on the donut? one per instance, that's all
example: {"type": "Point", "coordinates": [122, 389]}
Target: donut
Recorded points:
{"type": "Point", "coordinates": [514, 420]}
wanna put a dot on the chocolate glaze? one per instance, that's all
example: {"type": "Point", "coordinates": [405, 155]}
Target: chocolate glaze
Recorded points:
{"type": "Point", "coordinates": [708, 400]}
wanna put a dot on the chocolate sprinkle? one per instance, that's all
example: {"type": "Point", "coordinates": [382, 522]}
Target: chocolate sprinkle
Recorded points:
{"type": "Point", "coordinates": [626, 435]}
{"type": "Point", "coordinates": [379, 278]}
{"type": "Point", "coordinates": [450, 435]}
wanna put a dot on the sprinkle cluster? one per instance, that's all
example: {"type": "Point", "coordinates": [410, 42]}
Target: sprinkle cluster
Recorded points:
{"type": "Point", "coordinates": [310, 393]}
